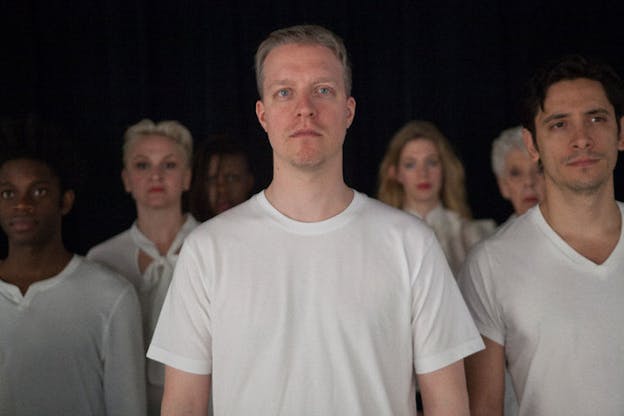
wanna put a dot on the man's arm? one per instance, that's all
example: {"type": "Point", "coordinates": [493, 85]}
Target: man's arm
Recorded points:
{"type": "Point", "coordinates": [186, 394]}
{"type": "Point", "coordinates": [123, 358]}
{"type": "Point", "coordinates": [444, 391]}
{"type": "Point", "coordinates": [485, 375]}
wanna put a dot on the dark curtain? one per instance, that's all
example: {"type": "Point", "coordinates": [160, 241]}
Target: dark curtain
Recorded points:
{"type": "Point", "coordinates": [96, 67]}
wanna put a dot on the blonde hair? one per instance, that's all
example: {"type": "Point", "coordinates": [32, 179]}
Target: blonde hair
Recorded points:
{"type": "Point", "coordinates": [453, 192]}
{"type": "Point", "coordinates": [171, 129]}
{"type": "Point", "coordinates": [304, 35]}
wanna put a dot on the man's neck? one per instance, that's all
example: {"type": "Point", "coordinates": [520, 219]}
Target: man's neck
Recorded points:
{"type": "Point", "coordinates": [309, 196]}
{"type": "Point", "coordinates": [589, 222]}
{"type": "Point", "coordinates": [27, 264]}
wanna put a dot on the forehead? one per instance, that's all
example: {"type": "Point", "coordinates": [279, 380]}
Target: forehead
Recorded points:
{"type": "Point", "coordinates": [26, 170]}
{"type": "Point", "coordinates": [577, 94]}
{"type": "Point", "coordinates": [150, 143]}
{"type": "Point", "coordinates": [295, 61]}
{"type": "Point", "coordinates": [419, 146]}
{"type": "Point", "coordinates": [516, 155]}
{"type": "Point", "coordinates": [228, 161]}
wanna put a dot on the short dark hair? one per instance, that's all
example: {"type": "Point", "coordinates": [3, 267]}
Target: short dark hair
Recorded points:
{"type": "Point", "coordinates": [36, 139]}
{"type": "Point", "coordinates": [569, 67]}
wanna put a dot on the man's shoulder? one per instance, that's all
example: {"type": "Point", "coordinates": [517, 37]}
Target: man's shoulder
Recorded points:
{"type": "Point", "coordinates": [375, 209]}
{"type": "Point", "coordinates": [97, 278]}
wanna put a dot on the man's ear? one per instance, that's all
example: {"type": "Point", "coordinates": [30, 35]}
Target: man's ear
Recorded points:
{"type": "Point", "coordinates": [530, 144]}
{"type": "Point", "coordinates": [261, 114]}
{"type": "Point", "coordinates": [67, 201]}
{"type": "Point", "coordinates": [350, 111]}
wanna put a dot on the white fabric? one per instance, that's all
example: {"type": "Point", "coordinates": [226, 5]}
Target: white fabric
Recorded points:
{"type": "Point", "coordinates": [557, 314]}
{"type": "Point", "coordinates": [71, 345]}
{"type": "Point", "coordinates": [121, 254]}
{"type": "Point", "coordinates": [456, 234]}
{"type": "Point", "coordinates": [325, 318]}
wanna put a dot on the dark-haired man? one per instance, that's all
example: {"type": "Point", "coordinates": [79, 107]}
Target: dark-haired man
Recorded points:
{"type": "Point", "coordinates": [70, 340]}
{"type": "Point", "coordinates": [546, 291]}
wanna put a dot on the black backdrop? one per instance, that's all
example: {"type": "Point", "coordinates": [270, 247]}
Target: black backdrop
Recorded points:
{"type": "Point", "coordinates": [96, 67]}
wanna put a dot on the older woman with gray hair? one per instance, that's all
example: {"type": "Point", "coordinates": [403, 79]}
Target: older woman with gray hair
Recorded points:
{"type": "Point", "coordinates": [519, 178]}
{"type": "Point", "coordinates": [156, 172]}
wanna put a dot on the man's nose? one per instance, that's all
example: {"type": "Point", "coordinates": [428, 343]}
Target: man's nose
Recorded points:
{"type": "Point", "coordinates": [305, 106]}
{"type": "Point", "coordinates": [24, 203]}
{"type": "Point", "coordinates": [583, 136]}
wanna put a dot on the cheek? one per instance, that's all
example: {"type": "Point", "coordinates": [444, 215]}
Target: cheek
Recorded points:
{"type": "Point", "coordinates": [436, 177]}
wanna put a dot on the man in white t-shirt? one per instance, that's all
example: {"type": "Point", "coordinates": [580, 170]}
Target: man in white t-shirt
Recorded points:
{"type": "Point", "coordinates": [546, 291]}
{"type": "Point", "coordinates": [311, 298]}
{"type": "Point", "coordinates": [70, 330]}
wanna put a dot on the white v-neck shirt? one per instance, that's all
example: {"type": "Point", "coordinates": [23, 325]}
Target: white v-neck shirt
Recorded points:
{"type": "Point", "coordinates": [558, 315]}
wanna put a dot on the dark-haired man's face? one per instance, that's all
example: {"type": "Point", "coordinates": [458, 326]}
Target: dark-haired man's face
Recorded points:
{"type": "Point", "coordinates": [577, 136]}
{"type": "Point", "coordinates": [31, 204]}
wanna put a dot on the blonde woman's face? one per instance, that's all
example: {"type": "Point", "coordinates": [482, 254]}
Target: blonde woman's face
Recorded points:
{"type": "Point", "coordinates": [156, 172]}
{"type": "Point", "coordinates": [420, 171]}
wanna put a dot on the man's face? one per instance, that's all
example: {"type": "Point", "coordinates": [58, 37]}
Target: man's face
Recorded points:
{"type": "Point", "coordinates": [228, 183]}
{"type": "Point", "coordinates": [305, 109]}
{"type": "Point", "coordinates": [577, 136]}
{"type": "Point", "coordinates": [31, 205]}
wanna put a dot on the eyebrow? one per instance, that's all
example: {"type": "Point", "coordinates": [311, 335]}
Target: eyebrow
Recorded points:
{"type": "Point", "coordinates": [559, 116]}
{"type": "Point", "coordinates": [34, 183]}
{"type": "Point", "coordinates": [322, 80]}
{"type": "Point", "coordinates": [143, 156]}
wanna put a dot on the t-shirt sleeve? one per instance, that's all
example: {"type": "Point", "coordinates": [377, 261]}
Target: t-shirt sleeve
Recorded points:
{"type": "Point", "coordinates": [182, 338]}
{"type": "Point", "coordinates": [442, 329]}
{"type": "Point", "coordinates": [124, 365]}
{"type": "Point", "coordinates": [477, 286]}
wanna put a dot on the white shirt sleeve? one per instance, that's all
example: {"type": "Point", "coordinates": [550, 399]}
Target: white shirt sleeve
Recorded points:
{"type": "Point", "coordinates": [443, 331]}
{"type": "Point", "coordinates": [477, 286]}
{"type": "Point", "coordinates": [124, 373]}
{"type": "Point", "coordinates": [182, 338]}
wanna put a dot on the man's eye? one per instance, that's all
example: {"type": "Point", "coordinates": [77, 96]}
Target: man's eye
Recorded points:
{"type": "Point", "coordinates": [324, 90]}
{"type": "Point", "coordinates": [6, 194]}
{"type": "Point", "coordinates": [284, 92]}
{"type": "Point", "coordinates": [598, 119]}
{"type": "Point", "coordinates": [557, 125]}
{"type": "Point", "coordinates": [39, 192]}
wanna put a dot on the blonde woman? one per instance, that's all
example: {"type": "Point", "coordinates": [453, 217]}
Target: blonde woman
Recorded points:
{"type": "Point", "coordinates": [421, 174]}
{"type": "Point", "coordinates": [156, 172]}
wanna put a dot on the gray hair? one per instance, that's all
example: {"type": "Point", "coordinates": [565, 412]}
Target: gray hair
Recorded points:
{"type": "Point", "coordinates": [171, 129]}
{"type": "Point", "coordinates": [508, 140]}
{"type": "Point", "coordinates": [306, 35]}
